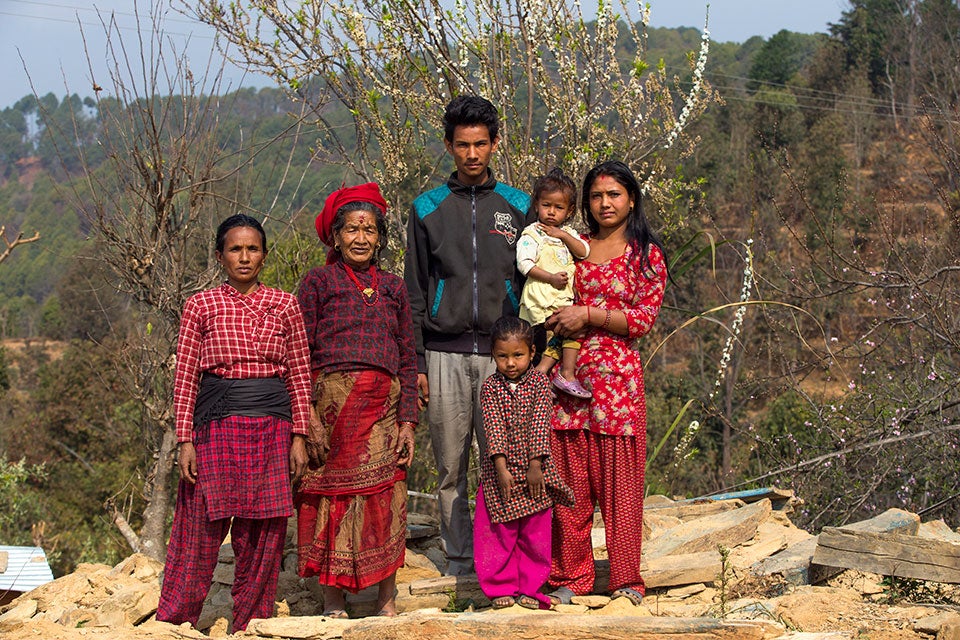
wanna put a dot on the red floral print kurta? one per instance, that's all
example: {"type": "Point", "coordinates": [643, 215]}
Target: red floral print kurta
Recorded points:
{"type": "Point", "coordinates": [609, 365]}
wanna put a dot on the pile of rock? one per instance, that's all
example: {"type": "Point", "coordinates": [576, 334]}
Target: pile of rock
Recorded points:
{"type": "Point", "coordinates": [728, 566]}
{"type": "Point", "coordinates": [94, 595]}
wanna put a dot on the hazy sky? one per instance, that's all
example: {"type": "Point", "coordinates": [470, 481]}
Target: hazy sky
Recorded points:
{"type": "Point", "coordinates": [46, 35]}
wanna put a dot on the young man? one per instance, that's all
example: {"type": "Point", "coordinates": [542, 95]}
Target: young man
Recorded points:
{"type": "Point", "coordinates": [461, 274]}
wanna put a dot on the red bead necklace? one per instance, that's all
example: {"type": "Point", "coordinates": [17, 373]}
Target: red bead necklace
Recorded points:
{"type": "Point", "coordinates": [370, 295]}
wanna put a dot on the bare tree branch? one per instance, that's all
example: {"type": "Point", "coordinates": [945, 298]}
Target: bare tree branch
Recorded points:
{"type": "Point", "coordinates": [121, 523]}
{"type": "Point", "coordinates": [16, 242]}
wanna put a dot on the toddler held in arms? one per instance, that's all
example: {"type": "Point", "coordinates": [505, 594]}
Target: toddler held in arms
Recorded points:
{"type": "Point", "coordinates": [545, 254]}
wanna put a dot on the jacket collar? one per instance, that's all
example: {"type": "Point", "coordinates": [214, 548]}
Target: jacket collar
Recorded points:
{"type": "Point", "coordinates": [524, 379]}
{"type": "Point", "coordinates": [464, 190]}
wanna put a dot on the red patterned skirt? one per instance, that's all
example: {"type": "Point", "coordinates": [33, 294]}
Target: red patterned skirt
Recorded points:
{"type": "Point", "coordinates": [243, 467]}
{"type": "Point", "coordinates": [352, 511]}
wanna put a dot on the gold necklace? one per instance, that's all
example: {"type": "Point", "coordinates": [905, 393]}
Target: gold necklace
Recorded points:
{"type": "Point", "coordinates": [370, 295]}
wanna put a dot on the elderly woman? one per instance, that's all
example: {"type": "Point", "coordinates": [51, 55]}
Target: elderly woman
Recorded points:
{"type": "Point", "coordinates": [242, 402]}
{"type": "Point", "coordinates": [352, 501]}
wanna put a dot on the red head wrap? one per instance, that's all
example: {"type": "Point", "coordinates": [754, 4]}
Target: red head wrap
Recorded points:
{"type": "Point", "coordinates": [369, 192]}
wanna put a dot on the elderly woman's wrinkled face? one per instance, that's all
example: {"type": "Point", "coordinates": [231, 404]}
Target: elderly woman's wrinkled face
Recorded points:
{"type": "Point", "coordinates": [359, 239]}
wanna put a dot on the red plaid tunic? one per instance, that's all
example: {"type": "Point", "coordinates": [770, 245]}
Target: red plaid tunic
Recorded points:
{"type": "Point", "coordinates": [235, 336]}
{"type": "Point", "coordinates": [516, 423]}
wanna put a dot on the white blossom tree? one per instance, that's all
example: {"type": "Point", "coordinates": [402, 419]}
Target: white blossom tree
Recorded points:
{"type": "Point", "coordinates": [572, 90]}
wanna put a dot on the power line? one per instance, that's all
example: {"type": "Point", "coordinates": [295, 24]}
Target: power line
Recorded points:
{"type": "Point", "coordinates": [92, 9]}
{"type": "Point", "coordinates": [822, 101]}
{"type": "Point", "coordinates": [142, 24]}
{"type": "Point", "coordinates": [796, 89]}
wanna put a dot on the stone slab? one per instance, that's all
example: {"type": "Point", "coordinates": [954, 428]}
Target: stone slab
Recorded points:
{"type": "Point", "coordinates": [728, 528]}
{"type": "Point", "coordinates": [556, 627]}
{"type": "Point", "coordinates": [795, 563]}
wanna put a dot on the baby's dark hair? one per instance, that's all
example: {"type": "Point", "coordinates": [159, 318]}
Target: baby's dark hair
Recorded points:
{"type": "Point", "coordinates": [507, 327]}
{"type": "Point", "coordinates": [555, 180]}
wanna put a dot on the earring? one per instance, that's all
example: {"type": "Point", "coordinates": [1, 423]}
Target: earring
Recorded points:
{"type": "Point", "coordinates": [336, 247]}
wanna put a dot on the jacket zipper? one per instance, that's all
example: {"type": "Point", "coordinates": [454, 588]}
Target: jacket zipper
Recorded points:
{"type": "Point", "coordinates": [476, 292]}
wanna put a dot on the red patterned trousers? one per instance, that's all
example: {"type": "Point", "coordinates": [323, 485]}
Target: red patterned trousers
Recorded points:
{"type": "Point", "coordinates": [192, 557]}
{"type": "Point", "coordinates": [608, 471]}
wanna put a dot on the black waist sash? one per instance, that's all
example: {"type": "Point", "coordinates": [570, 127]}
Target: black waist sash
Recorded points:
{"type": "Point", "coordinates": [219, 397]}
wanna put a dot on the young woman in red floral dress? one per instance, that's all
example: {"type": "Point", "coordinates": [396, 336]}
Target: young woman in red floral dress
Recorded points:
{"type": "Point", "coordinates": [599, 445]}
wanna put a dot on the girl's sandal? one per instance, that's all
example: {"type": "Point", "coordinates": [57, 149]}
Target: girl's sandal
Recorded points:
{"type": "Point", "coordinates": [503, 602]}
{"type": "Point", "coordinates": [560, 595]}
{"type": "Point", "coordinates": [634, 596]}
{"type": "Point", "coordinates": [528, 602]}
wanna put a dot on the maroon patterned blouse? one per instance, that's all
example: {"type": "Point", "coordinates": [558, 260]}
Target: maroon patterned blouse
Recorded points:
{"type": "Point", "coordinates": [516, 423]}
{"type": "Point", "coordinates": [348, 331]}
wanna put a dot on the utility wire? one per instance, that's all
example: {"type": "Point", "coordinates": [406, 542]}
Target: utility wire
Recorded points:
{"type": "Point", "coordinates": [89, 9]}
{"type": "Point", "coordinates": [105, 14]}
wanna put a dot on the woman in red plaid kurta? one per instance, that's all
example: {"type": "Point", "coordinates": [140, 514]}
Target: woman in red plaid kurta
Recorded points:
{"type": "Point", "coordinates": [599, 445]}
{"type": "Point", "coordinates": [518, 482]}
{"type": "Point", "coordinates": [243, 349]}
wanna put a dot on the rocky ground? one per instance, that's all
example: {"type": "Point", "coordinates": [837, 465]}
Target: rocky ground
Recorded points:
{"type": "Point", "coordinates": [738, 601]}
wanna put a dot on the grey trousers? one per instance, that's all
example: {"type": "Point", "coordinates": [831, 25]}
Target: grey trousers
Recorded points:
{"type": "Point", "coordinates": [454, 417]}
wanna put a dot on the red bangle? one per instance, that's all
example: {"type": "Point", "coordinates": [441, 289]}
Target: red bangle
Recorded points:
{"type": "Point", "coordinates": [589, 319]}
{"type": "Point", "coordinates": [606, 321]}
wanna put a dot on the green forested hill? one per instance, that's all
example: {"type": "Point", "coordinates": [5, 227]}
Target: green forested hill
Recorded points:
{"type": "Point", "coordinates": [34, 176]}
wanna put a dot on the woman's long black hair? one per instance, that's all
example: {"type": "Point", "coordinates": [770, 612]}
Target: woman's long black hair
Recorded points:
{"type": "Point", "coordinates": [639, 234]}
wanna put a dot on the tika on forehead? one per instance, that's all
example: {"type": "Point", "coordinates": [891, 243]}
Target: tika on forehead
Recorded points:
{"type": "Point", "coordinates": [369, 192]}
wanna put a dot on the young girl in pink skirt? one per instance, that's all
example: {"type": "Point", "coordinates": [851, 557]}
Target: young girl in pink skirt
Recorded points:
{"type": "Point", "coordinates": [518, 483]}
